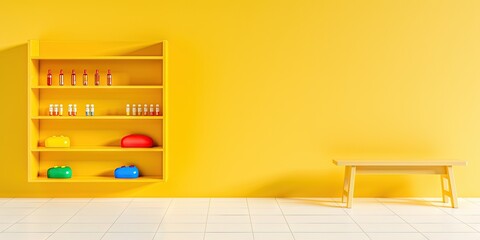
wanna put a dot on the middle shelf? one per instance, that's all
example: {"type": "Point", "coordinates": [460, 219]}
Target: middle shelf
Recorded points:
{"type": "Point", "coordinates": [102, 132]}
{"type": "Point", "coordinates": [109, 105]}
{"type": "Point", "coordinates": [97, 149]}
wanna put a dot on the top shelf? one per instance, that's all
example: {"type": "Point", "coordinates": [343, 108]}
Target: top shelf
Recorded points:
{"type": "Point", "coordinates": [96, 50]}
{"type": "Point", "coordinates": [98, 58]}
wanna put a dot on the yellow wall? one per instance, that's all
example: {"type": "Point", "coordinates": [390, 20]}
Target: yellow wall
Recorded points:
{"type": "Point", "coordinates": [263, 94]}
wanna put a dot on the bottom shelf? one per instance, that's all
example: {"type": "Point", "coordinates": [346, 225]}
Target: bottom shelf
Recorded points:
{"type": "Point", "coordinates": [97, 179]}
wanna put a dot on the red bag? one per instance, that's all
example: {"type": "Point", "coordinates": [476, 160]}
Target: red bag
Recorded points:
{"type": "Point", "coordinates": [137, 141]}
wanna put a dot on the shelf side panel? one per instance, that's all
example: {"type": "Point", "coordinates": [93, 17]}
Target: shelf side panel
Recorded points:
{"type": "Point", "coordinates": [33, 102]}
{"type": "Point", "coordinates": [33, 165]}
{"type": "Point", "coordinates": [33, 48]}
{"type": "Point", "coordinates": [164, 108]}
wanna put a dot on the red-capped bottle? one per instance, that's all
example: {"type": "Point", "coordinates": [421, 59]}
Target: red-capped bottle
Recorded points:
{"type": "Point", "coordinates": [85, 77]}
{"type": "Point", "coordinates": [97, 78]}
{"type": "Point", "coordinates": [152, 111]}
{"type": "Point", "coordinates": [73, 79]}
{"type": "Point", "coordinates": [49, 78]}
{"type": "Point", "coordinates": [145, 110]}
{"type": "Point", "coordinates": [109, 78]}
{"type": "Point", "coordinates": [74, 110]}
{"type": "Point", "coordinates": [157, 109]}
{"type": "Point", "coordinates": [60, 78]}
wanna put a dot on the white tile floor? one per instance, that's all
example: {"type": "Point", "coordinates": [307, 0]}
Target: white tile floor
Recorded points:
{"type": "Point", "coordinates": [236, 219]}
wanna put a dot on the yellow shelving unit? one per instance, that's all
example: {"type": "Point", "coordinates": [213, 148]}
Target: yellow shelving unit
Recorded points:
{"type": "Point", "coordinates": [139, 71]}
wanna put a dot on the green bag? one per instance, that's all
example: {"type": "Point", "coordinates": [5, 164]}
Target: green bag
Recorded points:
{"type": "Point", "coordinates": [59, 172]}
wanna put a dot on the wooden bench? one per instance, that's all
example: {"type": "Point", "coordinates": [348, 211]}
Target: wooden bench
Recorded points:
{"type": "Point", "coordinates": [442, 167]}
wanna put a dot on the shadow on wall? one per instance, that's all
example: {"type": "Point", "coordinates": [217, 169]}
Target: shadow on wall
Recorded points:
{"type": "Point", "coordinates": [312, 184]}
{"type": "Point", "coordinates": [13, 99]}
{"type": "Point", "coordinates": [299, 183]}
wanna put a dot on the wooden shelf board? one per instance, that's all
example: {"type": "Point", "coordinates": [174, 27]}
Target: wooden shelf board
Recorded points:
{"type": "Point", "coordinates": [100, 87]}
{"type": "Point", "coordinates": [97, 149]}
{"type": "Point", "coordinates": [96, 179]}
{"type": "Point", "coordinates": [97, 118]}
{"type": "Point", "coordinates": [97, 58]}
{"type": "Point", "coordinates": [377, 163]}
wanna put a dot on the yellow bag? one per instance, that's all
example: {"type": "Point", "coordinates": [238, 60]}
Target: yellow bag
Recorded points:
{"type": "Point", "coordinates": [57, 142]}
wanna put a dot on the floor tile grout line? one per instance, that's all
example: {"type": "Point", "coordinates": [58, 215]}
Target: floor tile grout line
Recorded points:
{"type": "Point", "coordinates": [11, 224]}
{"type": "Point", "coordinates": [285, 218]}
{"type": "Point", "coordinates": [250, 217]}
{"type": "Point", "coordinates": [396, 214]}
{"type": "Point", "coordinates": [356, 223]}
{"type": "Point", "coordinates": [43, 203]}
{"type": "Point", "coordinates": [105, 233]}
{"type": "Point", "coordinates": [164, 214]}
{"type": "Point", "coordinates": [206, 222]}
{"type": "Point", "coordinates": [8, 200]}
{"type": "Point", "coordinates": [470, 201]}
{"type": "Point", "coordinates": [474, 203]}
{"type": "Point", "coordinates": [444, 210]}
{"type": "Point", "coordinates": [470, 226]}
{"type": "Point", "coordinates": [454, 216]}
{"type": "Point", "coordinates": [18, 221]}
{"type": "Point", "coordinates": [65, 222]}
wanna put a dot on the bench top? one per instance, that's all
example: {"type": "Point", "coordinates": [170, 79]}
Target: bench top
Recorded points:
{"type": "Point", "coordinates": [399, 162]}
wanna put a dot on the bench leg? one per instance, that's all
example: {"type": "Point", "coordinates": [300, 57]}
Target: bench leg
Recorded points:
{"type": "Point", "coordinates": [445, 190]}
{"type": "Point", "coordinates": [351, 185]}
{"type": "Point", "coordinates": [346, 181]}
{"type": "Point", "coordinates": [451, 186]}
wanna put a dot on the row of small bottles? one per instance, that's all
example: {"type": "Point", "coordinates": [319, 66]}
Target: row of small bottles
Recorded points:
{"type": "Point", "coordinates": [73, 78]}
{"type": "Point", "coordinates": [137, 110]}
{"type": "Point", "coordinates": [57, 110]}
